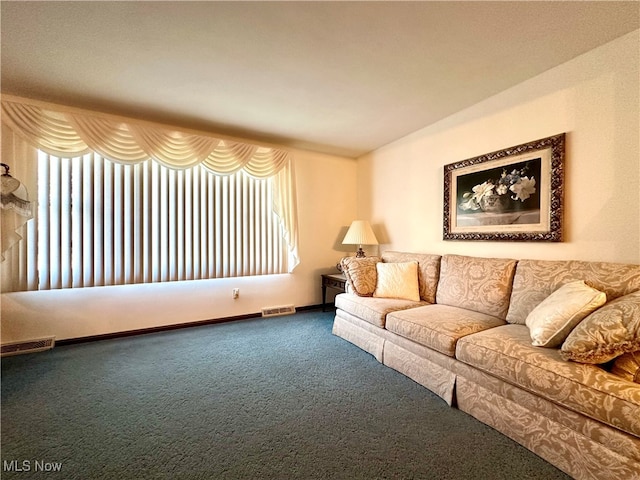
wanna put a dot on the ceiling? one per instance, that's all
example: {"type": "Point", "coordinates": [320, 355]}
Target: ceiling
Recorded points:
{"type": "Point", "coordinates": [336, 77]}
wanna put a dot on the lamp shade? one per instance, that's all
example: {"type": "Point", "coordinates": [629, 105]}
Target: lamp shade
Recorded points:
{"type": "Point", "coordinates": [360, 233]}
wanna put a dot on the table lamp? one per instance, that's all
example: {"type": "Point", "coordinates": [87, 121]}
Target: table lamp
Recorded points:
{"type": "Point", "coordinates": [360, 233]}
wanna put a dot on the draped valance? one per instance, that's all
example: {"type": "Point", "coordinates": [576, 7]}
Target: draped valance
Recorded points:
{"type": "Point", "coordinates": [70, 132]}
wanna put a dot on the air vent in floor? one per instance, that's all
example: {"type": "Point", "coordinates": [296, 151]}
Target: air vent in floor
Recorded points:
{"type": "Point", "coordinates": [274, 311]}
{"type": "Point", "coordinates": [27, 346]}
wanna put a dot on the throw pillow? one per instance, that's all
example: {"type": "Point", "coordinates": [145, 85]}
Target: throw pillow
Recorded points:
{"type": "Point", "coordinates": [397, 280]}
{"type": "Point", "coordinates": [361, 274]}
{"type": "Point", "coordinates": [554, 318]}
{"type": "Point", "coordinates": [607, 333]}
{"type": "Point", "coordinates": [627, 366]}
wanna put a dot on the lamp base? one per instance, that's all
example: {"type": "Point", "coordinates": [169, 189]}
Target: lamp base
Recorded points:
{"type": "Point", "coordinates": [360, 253]}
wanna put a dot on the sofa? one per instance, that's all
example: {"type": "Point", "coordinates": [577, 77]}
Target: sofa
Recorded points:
{"type": "Point", "coordinates": [545, 352]}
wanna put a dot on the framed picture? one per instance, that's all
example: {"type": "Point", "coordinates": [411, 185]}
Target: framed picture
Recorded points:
{"type": "Point", "coordinates": [514, 194]}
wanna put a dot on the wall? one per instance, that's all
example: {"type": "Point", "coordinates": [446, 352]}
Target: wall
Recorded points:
{"type": "Point", "coordinates": [594, 98]}
{"type": "Point", "coordinates": [325, 208]}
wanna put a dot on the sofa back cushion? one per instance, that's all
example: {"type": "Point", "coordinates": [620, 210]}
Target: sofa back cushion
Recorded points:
{"type": "Point", "coordinates": [535, 280]}
{"type": "Point", "coordinates": [478, 284]}
{"type": "Point", "coordinates": [428, 271]}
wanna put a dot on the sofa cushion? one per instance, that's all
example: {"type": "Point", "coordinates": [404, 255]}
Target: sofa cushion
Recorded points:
{"type": "Point", "coordinates": [506, 352]}
{"type": "Point", "coordinates": [397, 280]}
{"type": "Point", "coordinates": [428, 271]}
{"type": "Point", "coordinates": [627, 366]}
{"type": "Point", "coordinates": [361, 274]}
{"type": "Point", "coordinates": [607, 333]}
{"type": "Point", "coordinates": [439, 326]}
{"type": "Point", "coordinates": [372, 310]}
{"type": "Point", "coordinates": [474, 283]}
{"type": "Point", "coordinates": [535, 280]}
{"type": "Point", "coordinates": [554, 318]}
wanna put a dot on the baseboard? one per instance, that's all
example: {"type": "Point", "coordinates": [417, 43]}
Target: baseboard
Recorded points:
{"type": "Point", "coordinates": [164, 328]}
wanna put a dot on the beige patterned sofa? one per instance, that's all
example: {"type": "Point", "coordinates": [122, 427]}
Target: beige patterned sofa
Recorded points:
{"type": "Point", "coordinates": [467, 339]}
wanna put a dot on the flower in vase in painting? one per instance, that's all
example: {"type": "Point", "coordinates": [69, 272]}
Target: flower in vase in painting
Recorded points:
{"type": "Point", "coordinates": [523, 189]}
{"type": "Point", "coordinates": [501, 189]}
{"type": "Point", "coordinates": [473, 198]}
{"type": "Point", "coordinates": [515, 182]}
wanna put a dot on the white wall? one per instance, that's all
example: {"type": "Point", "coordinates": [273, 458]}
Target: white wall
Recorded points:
{"type": "Point", "coordinates": [326, 206]}
{"type": "Point", "coordinates": [594, 98]}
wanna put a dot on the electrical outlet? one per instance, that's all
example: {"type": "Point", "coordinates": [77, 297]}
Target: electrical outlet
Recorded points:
{"type": "Point", "coordinates": [236, 293]}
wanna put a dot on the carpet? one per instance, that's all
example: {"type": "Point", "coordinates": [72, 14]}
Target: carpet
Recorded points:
{"type": "Point", "coordinates": [252, 399]}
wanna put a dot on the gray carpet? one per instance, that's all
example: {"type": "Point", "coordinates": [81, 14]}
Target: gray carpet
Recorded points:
{"type": "Point", "coordinates": [252, 399]}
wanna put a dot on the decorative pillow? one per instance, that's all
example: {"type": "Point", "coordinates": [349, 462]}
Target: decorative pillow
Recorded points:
{"type": "Point", "coordinates": [361, 274]}
{"type": "Point", "coordinates": [554, 318]}
{"type": "Point", "coordinates": [428, 270]}
{"type": "Point", "coordinates": [627, 366]}
{"type": "Point", "coordinates": [607, 333]}
{"type": "Point", "coordinates": [397, 280]}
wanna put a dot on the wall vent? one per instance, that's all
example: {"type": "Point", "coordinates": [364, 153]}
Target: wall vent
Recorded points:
{"type": "Point", "coordinates": [282, 310]}
{"type": "Point", "coordinates": [27, 346]}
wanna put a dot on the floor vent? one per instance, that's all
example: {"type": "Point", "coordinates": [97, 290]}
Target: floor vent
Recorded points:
{"type": "Point", "coordinates": [27, 346]}
{"type": "Point", "coordinates": [274, 311]}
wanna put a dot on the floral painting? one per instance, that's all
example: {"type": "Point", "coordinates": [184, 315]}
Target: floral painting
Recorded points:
{"type": "Point", "coordinates": [512, 194]}
{"type": "Point", "coordinates": [513, 187]}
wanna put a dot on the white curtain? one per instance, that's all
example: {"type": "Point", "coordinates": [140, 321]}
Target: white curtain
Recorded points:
{"type": "Point", "coordinates": [67, 132]}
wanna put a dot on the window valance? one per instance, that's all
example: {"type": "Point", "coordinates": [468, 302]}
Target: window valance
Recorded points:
{"type": "Point", "coordinates": [70, 132]}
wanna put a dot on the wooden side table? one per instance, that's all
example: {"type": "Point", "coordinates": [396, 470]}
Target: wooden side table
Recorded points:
{"type": "Point", "coordinates": [337, 281]}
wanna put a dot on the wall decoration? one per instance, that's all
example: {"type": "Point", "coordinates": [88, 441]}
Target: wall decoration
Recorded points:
{"type": "Point", "coordinates": [515, 194]}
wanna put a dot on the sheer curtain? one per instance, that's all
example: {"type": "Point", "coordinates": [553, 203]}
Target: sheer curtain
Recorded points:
{"type": "Point", "coordinates": [67, 132]}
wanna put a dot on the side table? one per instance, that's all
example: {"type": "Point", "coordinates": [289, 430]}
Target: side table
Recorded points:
{"type": "Point", "coordinates": [337, 281]}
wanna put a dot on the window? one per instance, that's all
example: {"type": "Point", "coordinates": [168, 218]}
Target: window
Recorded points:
{"type": "Point", "coordinates": [104, 223]}
{"type": "Point", "coordinates": [168, 205]}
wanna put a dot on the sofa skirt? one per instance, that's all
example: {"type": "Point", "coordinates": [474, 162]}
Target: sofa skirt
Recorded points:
{"type": "Point", "coordinates": [427, 367]}
{"type": "Point", "coordinates": [422, 370]}
{"type": "Point", "coordinates": [579, 446]}
{"type": "Point", "coordinates": [359, 333]}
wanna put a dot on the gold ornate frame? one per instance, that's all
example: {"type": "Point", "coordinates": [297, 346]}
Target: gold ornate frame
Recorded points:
{"type": "Point", "coordinates": [543, 222]}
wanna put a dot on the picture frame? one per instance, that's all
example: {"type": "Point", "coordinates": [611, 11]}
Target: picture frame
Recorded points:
{"type": "Point", "coordinates": [514, 194]}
